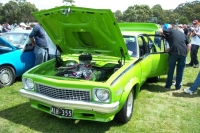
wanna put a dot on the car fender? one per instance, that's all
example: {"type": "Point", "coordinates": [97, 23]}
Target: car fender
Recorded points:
{"type": "Point", "coordinates": [133, 83]}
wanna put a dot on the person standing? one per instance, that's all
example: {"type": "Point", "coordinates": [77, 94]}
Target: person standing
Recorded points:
{"type": "Point", "coordinates": [186, 31]}
{"type": "Point", "coordinates": [37, 38]}
{"type": "Point", "coordinates": [22, 26]}
{"type": "Point", "coordinates": [195, 41]}
{"type": "Point", "coordinates": [194, 86]}
{"type": "Point", "coordinates": [179, 46]}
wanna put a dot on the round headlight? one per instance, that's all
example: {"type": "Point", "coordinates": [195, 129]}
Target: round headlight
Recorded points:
{"type": "Point", "coordinates": [102, 95]}
{"type": "Point", "coordinates": [29, 84]}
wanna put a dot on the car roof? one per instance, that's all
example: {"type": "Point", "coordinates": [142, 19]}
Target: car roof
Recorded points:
{"type": "Point", "coordinates": [20, 31]}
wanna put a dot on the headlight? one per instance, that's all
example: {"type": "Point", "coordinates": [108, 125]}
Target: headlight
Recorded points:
{"type": "Point", "coordinates": [28, 83]}
{"type": "Point", "coordinates": [102, 95]}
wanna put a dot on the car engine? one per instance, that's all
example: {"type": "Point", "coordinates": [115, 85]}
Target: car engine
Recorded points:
{"type": "Point", "coordinates": [85, 69]}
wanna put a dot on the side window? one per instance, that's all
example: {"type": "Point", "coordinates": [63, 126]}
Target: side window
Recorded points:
{"type": "Point", "coordinates": [157, 42]}
{"type": "Point", "coordinates": [131, 45]}
{"type": "Point", "coordinates": [150, 44]}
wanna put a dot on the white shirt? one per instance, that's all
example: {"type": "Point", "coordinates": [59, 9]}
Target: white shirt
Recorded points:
{"type": "Point", "coordinates": [196, 40]}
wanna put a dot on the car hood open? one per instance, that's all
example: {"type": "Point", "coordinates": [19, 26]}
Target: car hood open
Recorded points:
{"type": "Point", "coordinates": [83, 30]}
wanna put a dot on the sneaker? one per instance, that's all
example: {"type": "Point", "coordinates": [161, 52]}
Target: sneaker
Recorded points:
{"type": "Point", "coordinates": [167, 88]}
{"type": "Point", "coordinates": [196, 66]}
{"type": "Point", "coordinates": [188, 91]}
{"type": "Point", "coordinates": [189, 64]}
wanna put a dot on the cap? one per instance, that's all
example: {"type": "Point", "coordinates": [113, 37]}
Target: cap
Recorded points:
{"type": "Point", "coordinates": [180, 25]}
{"type": "Point", "coordinates": [167, 26]}
{"type": "Point", "coordinates": [22, 24]}
{"type": "Point", "coordinates": [195, 22]}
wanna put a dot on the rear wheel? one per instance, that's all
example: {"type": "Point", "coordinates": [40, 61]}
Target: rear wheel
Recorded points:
{"type": "Point", "coordinates": [154, 79]}
{"type": "Point", "coordinates": [7, 76]}
{"type": "Point", "coordinates": [125, 114]}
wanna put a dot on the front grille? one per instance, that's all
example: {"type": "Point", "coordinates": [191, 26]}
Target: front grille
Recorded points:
{"type": "Point", "coordinates": [65, 94]}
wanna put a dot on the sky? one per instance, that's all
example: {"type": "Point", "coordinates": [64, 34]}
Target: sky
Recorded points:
{"type": "Point", "coordinates": [106, 4]}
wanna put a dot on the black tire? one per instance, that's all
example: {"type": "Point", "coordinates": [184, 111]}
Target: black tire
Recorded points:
{"type": "Point", "coordinates": [7, 76]}
{"type": "Point", "coordinates": [154, 79]}
{"type": "Point", "coordinates": [125, 114]}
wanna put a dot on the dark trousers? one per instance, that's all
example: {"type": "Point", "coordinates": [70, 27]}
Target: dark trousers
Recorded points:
{"type": "Point", "coordinates": [193, 54]}
{"type": "Point", "coordinates": [172, 61]}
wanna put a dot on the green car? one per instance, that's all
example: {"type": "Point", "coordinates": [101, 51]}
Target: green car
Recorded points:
{"type": "Point", "coordinates": [100, 68]}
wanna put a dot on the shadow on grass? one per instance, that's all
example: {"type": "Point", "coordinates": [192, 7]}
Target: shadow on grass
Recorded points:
{"type": "Point", "coordinates": [153, 87]}
{"type": "Point", "coordinates": [182, 94]}
{"type": "Point", "coordinates": [188, 84]}
{"type": "Point", "coordinates": [160, 89]}
{"type": "Point", "coordinates": [42, 122]}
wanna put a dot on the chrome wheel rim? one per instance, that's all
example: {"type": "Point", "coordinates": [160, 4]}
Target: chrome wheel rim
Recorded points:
{"type": "Point", "coordinates": [129, 104]}
{"type": "Point", "coordinates": [5, 76]}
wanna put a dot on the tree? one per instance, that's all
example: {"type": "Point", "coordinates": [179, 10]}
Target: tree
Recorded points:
{"type": "Point", "coordinates": [158, 13]}
{"type": "Point", "coordinates": [190, 10]}
{"type": "Point", "coordinates": [16, 12]}
{"type": "Point", "coordinates": [25, 9]}
{"type": "Point", "coordinates": [68, 2]}
{"type": "Point", "coordinates": [119, 16]}
{"type": "Point", "coordinates": [137, 13]}
{"type": "Point", "coordinates": [1, 10]}
{"type": "Point", "coordinates": [10, 12]}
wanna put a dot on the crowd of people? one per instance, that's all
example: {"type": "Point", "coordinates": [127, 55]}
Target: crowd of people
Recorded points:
{"type": "Point", "coordinates": [180, 40]}
{"type": "Point", "coordinates": [6, 27]}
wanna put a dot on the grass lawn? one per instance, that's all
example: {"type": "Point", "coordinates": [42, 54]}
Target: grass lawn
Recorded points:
{"type": "Point", "coordinates": [156, 111]}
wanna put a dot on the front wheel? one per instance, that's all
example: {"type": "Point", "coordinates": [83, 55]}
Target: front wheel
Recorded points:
{"type": "Point", "coordinates": [7, 76]}
{"type": "Point", "coordinates": [125, 114]}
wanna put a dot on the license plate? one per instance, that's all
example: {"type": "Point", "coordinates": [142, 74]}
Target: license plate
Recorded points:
{"type": "Point", "coordinates": [61, 112]}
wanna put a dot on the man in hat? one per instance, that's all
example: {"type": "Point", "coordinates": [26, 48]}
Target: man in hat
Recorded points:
{"type": "Point", "coordinates": [22, 26]}
{"type": "Point", "coordinates": [179, 46]}
{"type": "Point", "coordinates": [195, 41]}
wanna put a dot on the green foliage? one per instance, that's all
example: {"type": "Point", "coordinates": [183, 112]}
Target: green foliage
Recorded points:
{"type": "Point", "coordinates": [20, 10]}
{"type": "Point", "coordinates": [17, 11]}
{"type": "Point", "coordinates": [185, 13]}
{"type": "Point", "coordinates": [137, 13]}
{"type": "Point", "coordinates": [158, 13]}
{"type": "Point", "coordinates": [119, 16]}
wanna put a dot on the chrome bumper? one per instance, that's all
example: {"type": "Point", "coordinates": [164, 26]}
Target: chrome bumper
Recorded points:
{"type": "Point", "coordinates": [100, 107]}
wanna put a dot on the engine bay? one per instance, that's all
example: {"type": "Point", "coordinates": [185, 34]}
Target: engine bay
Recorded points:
{"type": "Point", "coordinates": [85, 68]}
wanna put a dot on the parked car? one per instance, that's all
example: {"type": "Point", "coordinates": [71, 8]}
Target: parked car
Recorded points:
{"type": "Point", "coordinates": [101, 68]}
{"type": "Point", "coordinates": [16, 55]}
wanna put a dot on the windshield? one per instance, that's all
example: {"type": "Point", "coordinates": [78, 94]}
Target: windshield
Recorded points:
{"type": "Point", "coordinates": [131, 45]}
{"type": "Point", "coordinates": [16, 39]}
